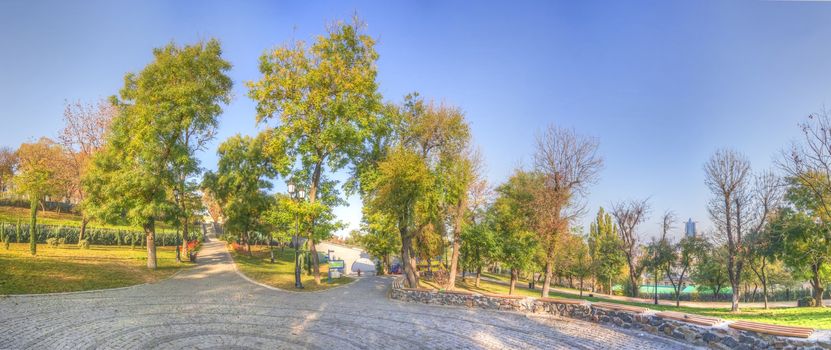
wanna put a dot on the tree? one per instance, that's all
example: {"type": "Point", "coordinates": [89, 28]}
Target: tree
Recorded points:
{"type": "Point", "coordinates": [38, 177]}
{"type": "Point", "coordinates": [808, 165]}
{"type": "Point", "coordinates": [762, 249]}
{"type": "Point", "coordinates": [688, 251]}
{"type": "Point", "coordinates": [711, 271]}
{"type": "Point", "coordinates": [569, 164]}
{"type": "Point", "coordinates": [461, 172]}
{"type": "Point", "coordinates": [628, 215]}
{"type": "Point", "coordinates": [8, 167]}
{"type": "Point", "coordinates": [380, 237]}
{"type": "Point", "coordinates": [326, 100]}
{"type": "Point", "coordinates": [240, 184]}
{"type": "Point", "coordinates": [741, 204]}
{"type": "Point", "coordinates": [513, 222]}
{"type": "Point", "coordinates": [86, 127]}
{"type": "Point", "coordinates": [479, 241]}
{"type": "Point", "coordinates": [402, 182]}
{"type": "Point", "coordinates": [604, 249]}
{"type": "Point", "coordinates": [141, 168]}
{"type": "Point", "coordinates": [803, 237]}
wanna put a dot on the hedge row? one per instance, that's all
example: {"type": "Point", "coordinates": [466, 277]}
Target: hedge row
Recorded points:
{"type": "Point", "coordinates": [99, 236]}
{"type": "Point", "coordinates": [60, 207]}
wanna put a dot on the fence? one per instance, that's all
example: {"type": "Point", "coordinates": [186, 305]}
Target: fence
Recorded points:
{"type": "Point", "coordinates": [94, 235]}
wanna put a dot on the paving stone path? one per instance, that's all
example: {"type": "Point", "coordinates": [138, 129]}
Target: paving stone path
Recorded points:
{"type": "Point", "coordinates": [211, 307]}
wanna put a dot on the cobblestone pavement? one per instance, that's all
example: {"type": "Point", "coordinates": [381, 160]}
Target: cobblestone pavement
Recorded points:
{"type": "Point", "coordinates": [211, 307]}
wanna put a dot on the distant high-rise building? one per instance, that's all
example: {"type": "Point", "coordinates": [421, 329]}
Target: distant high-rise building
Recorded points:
{"type": "Point", "coordinates": [689, 230]}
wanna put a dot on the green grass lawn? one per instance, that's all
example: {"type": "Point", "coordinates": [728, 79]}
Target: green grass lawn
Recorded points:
{"type": "Point", "coordinates": [280, 274]}
{"type": "Point", "coordinates": [792, 316]}
{"type": "Point", "coordinates": [69, 268]}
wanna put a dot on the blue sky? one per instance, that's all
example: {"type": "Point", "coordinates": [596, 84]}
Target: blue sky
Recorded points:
{"type": "Point", "coordinates": [660, 84]}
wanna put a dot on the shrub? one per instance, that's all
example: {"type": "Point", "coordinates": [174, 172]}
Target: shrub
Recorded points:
{"type": "Point", "coordinates": [52, 242]}
{"type": "Point", "coordinates": [61, 241]}
{"type": "Point", "coordinates": [805, 302]}
{"type": "Point", "coordinates": [83, 244]}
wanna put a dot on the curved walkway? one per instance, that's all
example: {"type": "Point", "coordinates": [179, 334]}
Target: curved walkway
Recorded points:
{"type": "Point", "coordinates": [210, 306]}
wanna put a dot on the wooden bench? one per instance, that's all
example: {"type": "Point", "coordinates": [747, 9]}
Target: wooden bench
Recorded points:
{"type": "Point", "coordinates": [459, 292]}
{"type": "Point", "coordinates": [785, 331]}
{"type": "Point", "coordinates": [619, 307]}
{"type": "Point", "coordinates": [504, 296]}
{"type": "Point", "coordinates": [689, 318]}
{"type": "Point", "coordinates": [562, 301]}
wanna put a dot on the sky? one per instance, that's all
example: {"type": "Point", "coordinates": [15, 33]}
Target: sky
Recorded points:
{"type": "Point", "coordinates": [660, 84]}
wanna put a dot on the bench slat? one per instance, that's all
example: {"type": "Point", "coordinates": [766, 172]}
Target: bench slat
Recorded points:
{"type": "Point", "coordinates": [505, 296]}
{"type": "Point", "coordinates": [562, 301]}
{"type": "Point", "coordinates": [620, 307]}
{"type": "Point", "coordinates": [785, 331]}
{"type": "Point", "coordinates": [690, 318]}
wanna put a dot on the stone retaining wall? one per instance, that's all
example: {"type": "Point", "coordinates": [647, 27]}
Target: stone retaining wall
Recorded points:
{"type": "Point", "coordinates": [718, 337]}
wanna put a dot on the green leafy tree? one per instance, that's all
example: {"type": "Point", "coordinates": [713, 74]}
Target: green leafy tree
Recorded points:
{"type": "Point", "coordinates": [325, 100]}
{"type": "Point", "coordinates": [607, 259]}
{"type": "Point", "coordinates": [513, 220]}
{"type": "Point", "coordinates": [148, 155]}
{"type": "Point", "coordinates": [687, 251]}
{"type": "Point", "coordinates": [402, 182]}
{"type": "Point", "coordinates": [38, 176]}
{"type": "Point", "coordinates": [805, 238]}
{"type": "Point", "coordinates": [240, 184]}
{"type": "Point", "coordinates": [8, 167]}
{"type": "Point", "coordinates": [380, 238]}
{"type": "Point", "coordinates": [711, 271]}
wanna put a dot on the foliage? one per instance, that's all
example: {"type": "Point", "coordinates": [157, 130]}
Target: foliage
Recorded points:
{"type": "Point", "coordinates": [240, 184]}
{"type": "Point", "coordinates": [804, 240]}
{"type": "Point", "coordinates": [603, 243]}
{"type": "Point", "coordinates": [325, 99]}
{"type": "Point", "coordinates": [513, 215]}
{"type": "Point", "coordinates": [711, 271]}
{"type": "Point", "coordinates": [147, 155]}
{"type": "Point", "coordinates": [8, 166]}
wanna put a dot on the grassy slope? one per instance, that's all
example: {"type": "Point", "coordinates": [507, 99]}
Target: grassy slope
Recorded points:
{"type": "Point", "coordinates": [807, 317]}
{"type": "Point", "coordinates": [69, 268]}
{"type": "Point", "coordinates": [280, 274]}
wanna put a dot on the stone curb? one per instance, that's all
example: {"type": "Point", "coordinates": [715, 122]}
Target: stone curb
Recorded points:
{"type": "Point", "coordinates": [716, 337]}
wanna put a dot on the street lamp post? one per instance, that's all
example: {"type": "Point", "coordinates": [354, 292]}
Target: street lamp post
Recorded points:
{"type": "Point", "coordinates": [297, 195]}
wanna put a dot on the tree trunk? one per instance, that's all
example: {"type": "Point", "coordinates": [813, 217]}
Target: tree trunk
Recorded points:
{"type": "Point", "coordinates": [150, 232]}
{"type": "Point", "coordinates": [407, 263]}
{"type": "Point", "coordinates": [247, 238]}
{"type": "Point", "coordinates": [734, 300]}
{"type": "Point", "coordinates": [514, 273]}
{"type": "Point", "coordinates": [315, 261]}
{"type": "Point", "coordinates": [185, 240]}
{"type": "Point", "coordinates": [765, 293]}
{"type": "Point", "coordinates": [33, 226]}
{"type": "Point", "coordinates": [817, 285]}
{"type": "Point", "coordinates": [312, 198]}
{"type": "Point", "coordinates": [581, 286]}
{"type": "Point", "coordinates": [457, 238]}
{"type": "Point", "coordinates": [546, 284]}
{"type": "Point", "coordinates": [84, 221]}
{"type": "Point", "coordinates": [478, 275]}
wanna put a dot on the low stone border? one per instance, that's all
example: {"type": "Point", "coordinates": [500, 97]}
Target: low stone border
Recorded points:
{"type": "Point", "coordinates": [716, 337]}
